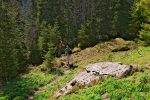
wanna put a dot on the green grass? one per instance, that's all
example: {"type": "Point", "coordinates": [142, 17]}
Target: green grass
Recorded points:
{"type": "Point", "coordinates": [135, 87]}
{"type": "Point", "coordinates": [127, 57]}
{"type": "Point", "coordinates": [133, 56]}
{"type": "Point", "coordinates": [24, 86]}
{"type": "Point", "coordinates": [54, 87]}
{"type": "Point", "coordinates": [130, 87]}
{"type": "Point", "coordinates": [116, 89]}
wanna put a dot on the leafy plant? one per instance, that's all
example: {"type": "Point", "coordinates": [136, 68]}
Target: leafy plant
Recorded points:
{"type": "Point", "coordinates": [21, 88]}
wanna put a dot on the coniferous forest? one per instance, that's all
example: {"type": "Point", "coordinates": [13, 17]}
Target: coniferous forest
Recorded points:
{"type": "Point", "coordinates": [35, 33]}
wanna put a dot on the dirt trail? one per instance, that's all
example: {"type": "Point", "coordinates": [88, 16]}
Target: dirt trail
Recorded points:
{"type": "Point", "coordinates": [46, 85]}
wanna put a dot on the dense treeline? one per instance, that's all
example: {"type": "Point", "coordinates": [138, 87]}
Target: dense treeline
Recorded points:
{"type": "Point", "coordinates": [9, 35]}
{"type": "Point", "coordinates": [31, 31]}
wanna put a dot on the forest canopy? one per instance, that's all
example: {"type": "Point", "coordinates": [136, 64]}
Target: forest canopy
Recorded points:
{"type": "Point", "coordinates": [32, 30]}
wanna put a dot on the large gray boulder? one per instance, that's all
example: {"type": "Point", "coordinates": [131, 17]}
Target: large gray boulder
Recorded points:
{"type": "Point", "coordinates": [116, 69]}
{"type": "Point", "coordinates": [96, 72]}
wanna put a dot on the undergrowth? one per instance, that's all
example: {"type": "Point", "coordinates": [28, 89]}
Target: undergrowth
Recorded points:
{"type": "Point", "coordinates": [24, 86]}
{"type": "Point", "coordinates": [115, 89]}
{"type": "Point", "coordinates": [54, 87]}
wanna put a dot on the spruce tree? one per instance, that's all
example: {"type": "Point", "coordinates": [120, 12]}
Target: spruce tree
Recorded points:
{"type": "Point", "coordinates": [144, 7]}
{"type": "Point", "coordinates": [8, 40]}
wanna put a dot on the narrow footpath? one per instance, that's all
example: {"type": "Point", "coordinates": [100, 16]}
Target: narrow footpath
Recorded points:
{"type": "Point", "coordinates": [46, 85]}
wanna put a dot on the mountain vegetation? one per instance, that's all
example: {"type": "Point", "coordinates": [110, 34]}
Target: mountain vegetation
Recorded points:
{"type": "Point", "coordinates": [36, 32]}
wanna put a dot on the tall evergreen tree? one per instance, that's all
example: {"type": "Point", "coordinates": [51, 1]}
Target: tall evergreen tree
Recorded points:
{"type": "Point", "coordinates": [8, 40]}
{"type": "Point", "coordinates": [144, 7]}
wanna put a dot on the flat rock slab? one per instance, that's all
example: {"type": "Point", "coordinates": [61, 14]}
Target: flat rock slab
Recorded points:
{"type": "Point", "coordinates": [96, 72]}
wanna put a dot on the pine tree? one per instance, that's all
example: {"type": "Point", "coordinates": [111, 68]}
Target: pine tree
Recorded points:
{"type": "Point", "coordinates": [144, 8]}
{"type": "Point", "coordinates": [48, 40]}
{"type": "Point", "coordinates": [8, 40]}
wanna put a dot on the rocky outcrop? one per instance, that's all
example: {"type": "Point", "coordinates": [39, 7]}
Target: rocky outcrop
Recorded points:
{"type": "Point", "coordinates": [96, 72]}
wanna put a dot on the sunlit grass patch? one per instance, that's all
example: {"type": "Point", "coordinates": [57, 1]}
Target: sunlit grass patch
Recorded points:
{"type": "Point", "coordinates": [116, 89]}
{"type": "Point", "coordinates": [24, 86]}
{"type": "Point", "coordinates": [136, 87]}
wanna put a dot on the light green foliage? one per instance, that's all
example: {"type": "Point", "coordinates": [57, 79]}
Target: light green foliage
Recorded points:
{"type": "Point", "coordinates": [21, 88]}
{"type": "Point", "coordinates": [117, 89]}
{"type": "Point", "coordinates": [137, 56]}
{"type": "Point", "coordinates": [18, 98]}
{"type": "Point", "coordinates": [52, 88]}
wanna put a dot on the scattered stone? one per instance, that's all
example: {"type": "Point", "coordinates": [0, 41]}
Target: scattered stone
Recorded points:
{"type": "Point", "coordinates": [95, 73]}
{"type": "Point", "coordinates": [105, 96]}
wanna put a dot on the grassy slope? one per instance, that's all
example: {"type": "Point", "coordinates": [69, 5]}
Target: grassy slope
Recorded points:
{"type": "Point", "coordinates": [101, 52]}
{"type": "Point", "coordinates": [135, 87]}
{"type": "Point", "coordinates": [24, 86]}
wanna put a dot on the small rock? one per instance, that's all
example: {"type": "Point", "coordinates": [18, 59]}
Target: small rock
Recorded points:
{"type": "Point", "coordinates": [105, 96]}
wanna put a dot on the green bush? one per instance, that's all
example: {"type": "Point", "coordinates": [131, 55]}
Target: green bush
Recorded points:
{"type": "Point", "coordinates": [138, 96]}
{"type": "Point", "coordinates": [4, 98]}
{"type": "Point", "coordinates": [147, 95]}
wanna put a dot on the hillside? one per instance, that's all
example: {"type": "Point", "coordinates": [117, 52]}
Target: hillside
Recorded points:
{"type": "Point", "coordinates": [136, 86]}
{"type": "Point", "coordinates": [137, 56]}
{"type": "Point", "coordinates": [74, 49]}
